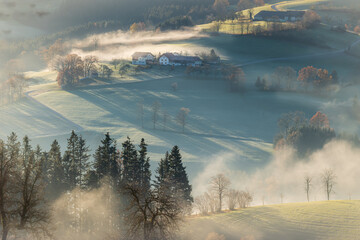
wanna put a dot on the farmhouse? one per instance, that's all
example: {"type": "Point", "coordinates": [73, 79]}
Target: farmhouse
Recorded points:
{"type": "Point", "coordinates": [142, 58]}
{"type": "Point", "coordinates": [279, 16]}
{"type": "Point", "coordinates": [174, 59]}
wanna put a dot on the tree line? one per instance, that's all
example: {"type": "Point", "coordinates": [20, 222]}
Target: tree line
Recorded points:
{"type": "Point", "coordinates": [304, 135]}
{"type": "Point", "coordinates": [288, 79]}
{"type": "Point", "coordinates": [213, 200]}
{"type": "Point", "coordinates": [13, 88]}
{"type": "Point", "coordinates": [32, 180]}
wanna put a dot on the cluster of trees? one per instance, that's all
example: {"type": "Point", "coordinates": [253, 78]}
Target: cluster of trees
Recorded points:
{"type": "Point", "coordinates": [327, 180]}
{"type": "Point", "coordinates": [158, 115]}
{"type": "Point", "coordinates": [176, 23]}
{"type": "Point", "coordinates": [286, 78]}
{"type": "Point", "coordinates": [72, 67]}
{"type": "Point", "coordinates": [13, 88]}
{"type": "Point", "coordinates": [304, 135]}
{"type": "Point", "coordinates": [233, 75]}
{"type": "Point", "coordinates": [22, 203]}
{"type": "Point", "coordinates": [137, 27]}
{"type": "Point", "coordinates": [319, 78]}
{"type": "Point", "coordinates": [32, 179]}
{"type": "Point", "coordinates": [220, 192]}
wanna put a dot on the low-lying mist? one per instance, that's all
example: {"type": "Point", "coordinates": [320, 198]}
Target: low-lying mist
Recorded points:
{"type": "Point", "coordinates": [84, 215]}
{"type": "Point", "coordinates": [285, 175]}
{"type": "Point", "coordinates": [121, 45]}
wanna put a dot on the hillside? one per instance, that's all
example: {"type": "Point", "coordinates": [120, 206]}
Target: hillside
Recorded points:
{"type": "Point", "coordinates": [298, 221]}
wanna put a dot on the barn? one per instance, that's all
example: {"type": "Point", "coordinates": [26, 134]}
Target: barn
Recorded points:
{"type": "Point", "coordinates": [142, 58]}
{"type": "Point", "coordinates": [174, 59]}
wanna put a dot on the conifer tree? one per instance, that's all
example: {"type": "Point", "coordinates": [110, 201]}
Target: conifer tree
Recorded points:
{"type": "Point", "coordinates": [71, 161]}
{"type": "Point", "coordinates": [106, 161]}
{"type": "Point", "coordinates": [131, 168]}
{"type": "Point", "coordinates": [144, 162]}
{"type": "Point", "coordinates": [162, 172]}
{"type": "Point", "coordinates": [56, 170]}
{"type": "Point", "coordinates": [179, 178]}
{"type": "Point", "coordinates": [82, 157]}
{"type": "Point", "coordinates": [76, 161]}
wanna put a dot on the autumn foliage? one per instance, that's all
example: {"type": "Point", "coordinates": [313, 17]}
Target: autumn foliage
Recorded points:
{"type": "Point", "coordinates": [320, 78]}
{"type": "Point", "coordinates": [305, 136]}
{"type": "Point", "coordinates": [320, 120]}
{"type": "Point", "coordinates": [70, 68]}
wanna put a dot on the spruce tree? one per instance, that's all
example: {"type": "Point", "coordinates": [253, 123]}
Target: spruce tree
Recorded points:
{"type": "Point", "coordinates": [131, 168]}
{"type": "Point", "coordinates": [144, 162]}
{"type": "Point", "coordinates": [56, 170]}
{"type": "Point", "coordinates": [82, 157]}
{"type": "Point", "coordinates": [76, 161]}
{"type": "Point", "coordinates": [71, 163]}
{"type": "Point", "coordinates": [162, 172]}
{"type": "Point", "coordinates": [106, 161]}
{"type": "Point", "coordinates": [178, 176]}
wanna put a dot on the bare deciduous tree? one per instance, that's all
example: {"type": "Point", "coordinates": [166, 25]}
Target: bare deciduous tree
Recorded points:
{"type": "Point", "coordinates": [328, 179]}
{"type": "Point", "coordinates": [174, 86]}
{"type": "Point", "coordinates": [22, 204]}
{"type": "Point", "coordinates": [232, 197]}
{"type": "Point", "coordinates": [182, 116]}
{"type": "Point", "coordinates": [69, 69]}
{"type": "Point", "coordinates": [141, 112]}
{"type": "Point", "coordinates": [155, 215]}
{"type": "Point", "coordinates": [90, 65]}
{"type": "Point", "coordinates": [219, 185]}
{"type": "Point", "coordinates": [9, 154]}
{"type": "Point", "coordinates": [308, 186]}
{"type": "Point", "coordinates": [165, 119]}
{"type": "Point", "coordinates": [244, 199]}
{"type": "Point", "coordinates": [201, 203]}
{"type": "Point", "coordinates": [155, 110]}
{"type": "Point", "coordinates": [115, 62]}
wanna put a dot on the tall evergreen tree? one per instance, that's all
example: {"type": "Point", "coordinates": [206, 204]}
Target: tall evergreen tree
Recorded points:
{"type": "Point", "coordinates": [70, 160]}
{"type": "Point", "coordinates": [76, 161]}
{"type": "Point", "coordinates": [56, 170]}
{"type": "Point", "coordinates": [178, 176]}
{"type": "Point", "coordinates": [144, 162]}
{"type": "Point", "coordinates": [82, 157]}
{"type": "Point", "coordinates": [162, 172]}
{"type": "Point", "coordinates": [106, 163]}
{"type": "Point", "coordinates": [131, 168]}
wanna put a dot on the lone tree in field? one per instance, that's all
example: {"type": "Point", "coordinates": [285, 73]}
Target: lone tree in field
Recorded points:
{"type": "Point", "coordinates": [115, 62]}
{"type": "Point", "coordinates": [219, 185]}
{"type": "Point", "coordinates": [182, 116]}
{"type": "Point", "coordinates": [308, 186]}
{"type": "Point", "coordinates": [155, 112]}
{"type": "Point", "coordinates": [328, 179]}
{"type": "Point", "coordinates": [69, 69]}
{"type": "Point", "coordinates": [141, 112]}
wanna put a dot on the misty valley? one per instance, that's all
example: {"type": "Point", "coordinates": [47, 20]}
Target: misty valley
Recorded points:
{"type": "Point", "coordinates": [179, 119]}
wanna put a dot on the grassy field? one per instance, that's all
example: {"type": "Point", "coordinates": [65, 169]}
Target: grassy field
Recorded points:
{"type": "Point", "coordinates": [219, 122]}
{"type": "Point", "coordinates": [331, 220]}
{"type": "Point", "coordinates": [234, 26]}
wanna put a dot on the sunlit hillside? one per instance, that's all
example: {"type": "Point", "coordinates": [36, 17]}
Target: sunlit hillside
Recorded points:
{"type": "Point", "coordinates": [331, 220]}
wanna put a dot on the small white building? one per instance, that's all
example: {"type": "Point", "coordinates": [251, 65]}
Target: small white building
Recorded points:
{"type": "Point", "coordinates": [179, 60]}
{"type": "Point", "coordinates": [142, 58]}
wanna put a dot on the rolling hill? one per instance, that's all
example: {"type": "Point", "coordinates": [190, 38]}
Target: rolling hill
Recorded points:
{"type": "Point", "coordinates": [296, 221]}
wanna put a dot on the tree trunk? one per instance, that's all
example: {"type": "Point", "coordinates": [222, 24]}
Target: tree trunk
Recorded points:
{"type": "Point", "coordinates": [5, 232]}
